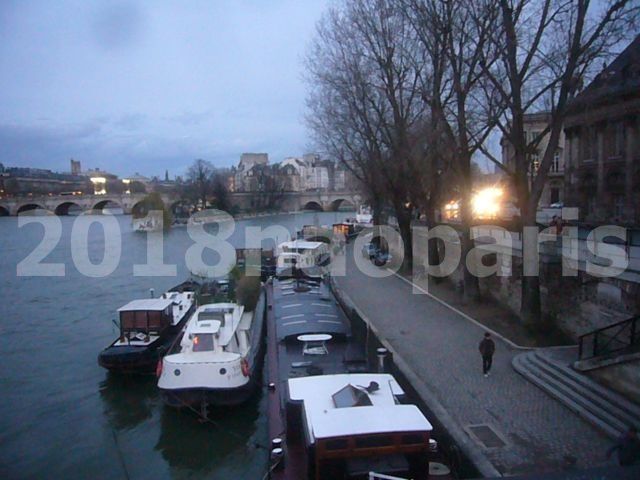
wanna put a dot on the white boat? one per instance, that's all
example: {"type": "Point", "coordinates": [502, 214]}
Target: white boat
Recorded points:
{"type": "Point", "coordinates": [218, 359]}
{"type": "Point", "coordinates": [364, 217]}
{"type": "Point", "coordinates": [308, 258]}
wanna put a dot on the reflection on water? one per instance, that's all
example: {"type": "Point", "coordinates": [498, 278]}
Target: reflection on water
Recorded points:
{"type": "Point", "coordinates": [206, 443]}
{"type": "Point", "coordinates": [128, 400]}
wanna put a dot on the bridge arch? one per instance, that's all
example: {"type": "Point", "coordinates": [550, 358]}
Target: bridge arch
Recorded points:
{"type": "Point", "coordinates": [65, 207]}
{"type": "Point", "coordinates": [342, 204]}
{"type": "Point", "coordinates": [29, 207]}
{"type": "Point", "coordinates": [108, 203]}
{"type": "Point", "coordinates": [4, 211]}
{"type": "Point", "coordinates": [313, 205]}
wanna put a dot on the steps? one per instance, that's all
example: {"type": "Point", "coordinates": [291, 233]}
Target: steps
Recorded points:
{"type": "Point", "coordinates": [606, 410]}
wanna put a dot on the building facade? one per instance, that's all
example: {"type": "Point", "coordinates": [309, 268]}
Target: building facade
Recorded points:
{"type": "Point", "coordinates": [534, 125]}
{"type": "Point", "coordinates": [603, 144]}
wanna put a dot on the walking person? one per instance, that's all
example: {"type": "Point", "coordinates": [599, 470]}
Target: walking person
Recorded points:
{"type": "Point", "coordinates": [628, 448]}
{"type": "Point", "coordinates": [487, 348]}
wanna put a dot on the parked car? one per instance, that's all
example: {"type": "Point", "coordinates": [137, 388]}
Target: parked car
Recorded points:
{"type": "Point", "coordinates": [381, 258]}
{"type": "Point", "coordinates": [369, 250]}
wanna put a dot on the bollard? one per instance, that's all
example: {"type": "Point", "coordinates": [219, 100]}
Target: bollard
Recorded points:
{"type": "Point", "coordinates": [382, 354]}
{"type": "Point", "coordinates": [277, 458]}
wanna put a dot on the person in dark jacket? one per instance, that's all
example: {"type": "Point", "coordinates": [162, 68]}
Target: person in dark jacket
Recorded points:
{"type": "Point", "coordinates": [487, 348]}
{"type": "Point", "coordinates": [628, 448]}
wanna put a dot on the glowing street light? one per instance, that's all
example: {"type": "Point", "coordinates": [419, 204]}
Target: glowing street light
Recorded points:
{"type": "Point", "coordinates": [486, 202]}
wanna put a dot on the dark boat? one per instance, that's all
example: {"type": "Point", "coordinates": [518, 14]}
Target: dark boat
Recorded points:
{"type": "Point", "coordinates": [147, 329]}
{"type": "Point", "coordinates": [329, 415]}
{"type": "Point", "coordinates": [218, 360]}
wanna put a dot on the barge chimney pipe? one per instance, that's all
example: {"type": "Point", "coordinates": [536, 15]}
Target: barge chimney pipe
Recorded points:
{"type": "Point", "coordinates": [382, 354]}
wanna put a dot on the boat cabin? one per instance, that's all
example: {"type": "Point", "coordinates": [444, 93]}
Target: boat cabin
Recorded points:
{"type": "Point", "coordinates": [216, 328]}
{"type": "Point", "coordinates": [350, 424]}
{"type": "Point", "coordinates": [303, 255]}
{"type": "Point", "coordinates": [140, 319]}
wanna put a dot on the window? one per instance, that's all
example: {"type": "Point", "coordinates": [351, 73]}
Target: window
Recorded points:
{"type": "Point", "coordinates": [555, 165]}
{"type": "Point", "coordinates": [618, 139]}
{"type": "Point", "coordinates": [554, 195]}
{"type": "Point", "coordinates": [337, 444]}
{"type": "Point", "coordinates": [373, 441]}
{"type": "Point", "coordinates": [590, 144]}
{"type": "Point", "coordinates": [618, 206]}
{"type": "Point", "coordinates": [534, 161]}
{"type": "Point", "coordinates": [203, 342]}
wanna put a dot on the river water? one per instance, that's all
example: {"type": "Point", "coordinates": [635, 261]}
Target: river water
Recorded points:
{"type": "Point", "coordinates": [61, 415]}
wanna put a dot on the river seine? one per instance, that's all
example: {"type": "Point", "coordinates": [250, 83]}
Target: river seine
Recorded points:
{"type": "Point", "coordinates": [61, 415]}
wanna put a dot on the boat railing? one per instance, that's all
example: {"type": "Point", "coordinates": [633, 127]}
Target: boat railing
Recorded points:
{"type": "Point", "coordinates": [382, 476]}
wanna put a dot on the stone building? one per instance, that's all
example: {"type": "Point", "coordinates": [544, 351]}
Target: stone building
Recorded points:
{"type": "Point", "coordinates": [534, 125]}
{"type": "Point", "coordinates": [603, 144]}
{"type": "Point", "coordinates": [242, 179]}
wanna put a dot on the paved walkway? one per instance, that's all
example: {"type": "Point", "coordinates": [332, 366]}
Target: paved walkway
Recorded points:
{"type": "Point", "coordinates": [440, 346]}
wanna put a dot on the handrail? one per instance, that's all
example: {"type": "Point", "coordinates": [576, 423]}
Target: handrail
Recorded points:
{"type": "Point", "coordinates": [605, 340]}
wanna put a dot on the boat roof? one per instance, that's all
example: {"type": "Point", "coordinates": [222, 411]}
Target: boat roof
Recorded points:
{"type": "Point", "coordinates": [300, 313]}
{"type": "Point", "coordinates": [304, 244]}
{"type": "Point", "coordinates": [149, 304]}
{"type": "Point", "coordinates": [383, 415]}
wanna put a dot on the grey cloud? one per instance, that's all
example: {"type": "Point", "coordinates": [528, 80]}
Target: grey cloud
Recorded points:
{"type": "Point", "coordinates": [118, 25]}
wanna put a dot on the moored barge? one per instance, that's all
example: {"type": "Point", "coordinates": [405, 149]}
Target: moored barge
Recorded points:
{"type": "Point", "coordinates": [329, 415]}
{"type": "Point", "coordinates": [147, 329]}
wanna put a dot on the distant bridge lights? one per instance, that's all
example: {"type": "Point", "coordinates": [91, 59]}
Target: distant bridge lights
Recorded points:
{"type": "Point", "coordinates": [99, 185]}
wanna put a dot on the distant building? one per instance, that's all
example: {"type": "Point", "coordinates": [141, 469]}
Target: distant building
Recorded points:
{"type": "Point", "coordinates": [37, 181]}
{"type": "Point", "coordinates": [76, 168]}
{"type": "Point", "coordinates": [247, 162]}
{"type": "Point", "coordinates": [534, 125]}
{"type": "Point", "coordinates": [603, 144]}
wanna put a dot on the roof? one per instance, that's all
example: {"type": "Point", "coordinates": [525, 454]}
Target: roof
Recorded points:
{"type": "Point", "coordinates": [620, 78]}
{"type": "Point", "coordinates": [312, 312]}
{"type": "Point", "coordinates": [155, 304]}
{"type": "Point", "coordinates": [366, 420]}
{"type": "Point", "coordinates": [325, 420]}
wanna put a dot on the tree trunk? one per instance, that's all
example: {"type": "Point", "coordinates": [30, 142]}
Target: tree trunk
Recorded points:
{"type": "Point", "coordinates": [404, 224]}
{"type": "Point", "coordinates": [433, 253]}
{"type": "Point", "coordinates": [471, 290]}
{"type": "Point", "coordinates": [530, 304]}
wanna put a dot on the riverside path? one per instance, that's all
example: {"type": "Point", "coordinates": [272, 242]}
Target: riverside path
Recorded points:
{"type": "Point", "coordinates": [440, 348]}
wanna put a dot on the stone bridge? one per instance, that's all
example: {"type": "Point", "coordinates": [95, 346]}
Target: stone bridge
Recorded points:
{"type": "Point", "coordinates": [294, 201]}
{"type": "Point", "coordinates": [60, 204]}
{"type": "Point", "coordinates": [247, 201]}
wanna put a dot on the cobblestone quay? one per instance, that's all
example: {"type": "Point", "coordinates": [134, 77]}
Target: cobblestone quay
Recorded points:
{"type": "Point", "coordinates": [504, 424]}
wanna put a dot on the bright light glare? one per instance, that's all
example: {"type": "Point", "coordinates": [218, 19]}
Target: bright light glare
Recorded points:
{"type": "Point", "coordinates": [486, 202]}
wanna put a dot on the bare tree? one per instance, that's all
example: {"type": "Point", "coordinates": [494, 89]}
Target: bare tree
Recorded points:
{"type": "Point", "coordinates": [547, 48]}
{"type": "Point", "coordinates": [456, 37]}
{"type": "Point", "coordinates": [364, 101]}
{"type": "Point", "coordinates": [200, 180]}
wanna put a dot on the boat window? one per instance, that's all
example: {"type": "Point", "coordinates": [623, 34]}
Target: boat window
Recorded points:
{"type": "Point", "coordinates": [337, 444]}
{"type": "Point", "coordinates": [203, 342]}
{"type": "Point", "coordinates": [373, 441]}
{"type": "Point", "coordinates": [412, 439]}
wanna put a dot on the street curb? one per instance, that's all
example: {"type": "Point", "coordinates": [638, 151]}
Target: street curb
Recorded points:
{"type": "Point", "coordinates": [475, 455]}
{"type": "Point", "coordinates": [463, 315]}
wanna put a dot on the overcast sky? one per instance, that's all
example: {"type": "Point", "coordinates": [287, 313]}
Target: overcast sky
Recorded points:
{"type": "Point", "coordinates": [135, 86]}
